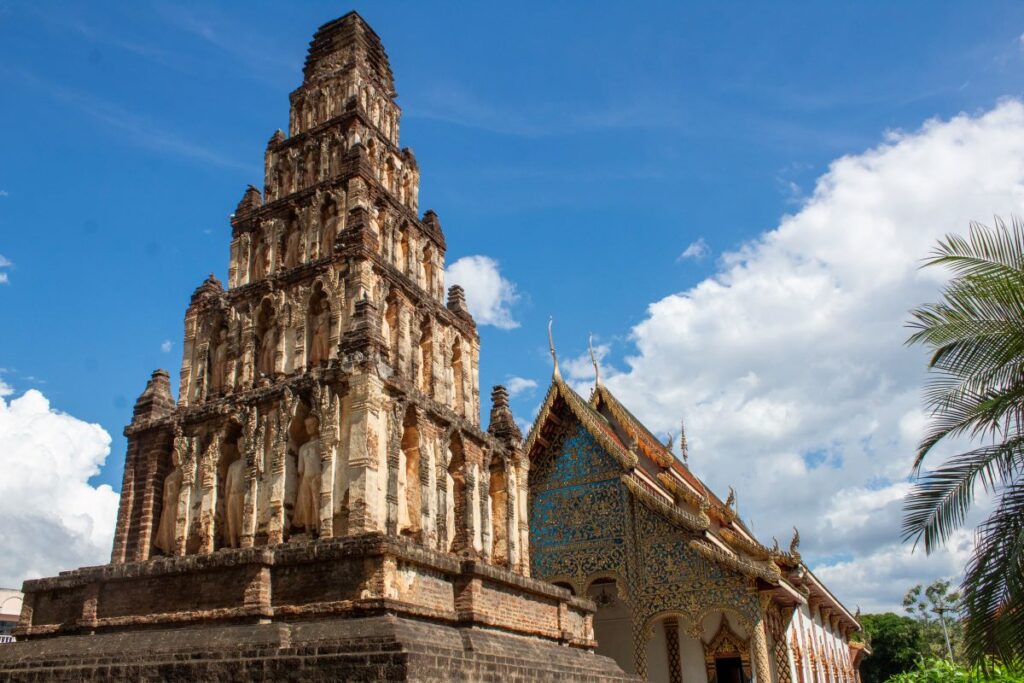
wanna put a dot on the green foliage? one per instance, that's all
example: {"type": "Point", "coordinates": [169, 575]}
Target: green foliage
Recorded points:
{"type": "Point", "coordinates": [976, 390]}
{"type": "Point", "coordinates": [896, 646]}
{"type": "Point", "coordinates": [931, 606]}
{"type": "Point", "coordinates": [936, 670]}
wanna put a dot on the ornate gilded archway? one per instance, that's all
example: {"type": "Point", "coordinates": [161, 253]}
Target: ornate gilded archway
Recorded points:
{"type": "Point", "coordinates": [726, 643]}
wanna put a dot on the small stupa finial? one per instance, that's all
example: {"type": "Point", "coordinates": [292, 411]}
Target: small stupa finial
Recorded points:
{"type": "Point", "coordinates": [593, 359]}
{"type": "Point", "coordinates": [556, 373]}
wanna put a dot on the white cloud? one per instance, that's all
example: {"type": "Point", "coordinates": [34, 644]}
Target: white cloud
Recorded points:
{"type": "Point", "coordinates": [790, 363]}
{"type": "Point", "coordinates": [519, 385]}
{"type": "Point", "coordinates": [53, 519]}
{"type": "Point", "coordinates": [695, 250]}
{"type": "Point", "coordinates": [4, 263]}
{"type": "Point", "coordinates": [165, 346]}
{"type": "Point", "coordinates": [488, 295]}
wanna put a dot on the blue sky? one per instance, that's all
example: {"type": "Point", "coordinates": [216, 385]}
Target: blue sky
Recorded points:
{"type": "Point", "coordinates": [583, 146]}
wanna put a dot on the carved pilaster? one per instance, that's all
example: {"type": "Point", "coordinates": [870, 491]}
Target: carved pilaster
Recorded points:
{"type": "Point", "coordinates": [253, 441]}
{"type": "Point", "coordinates": [759, 644]}
{"type": "Point", "coordinates": [188, 452]}
{"type": "Point", "coordinates": [325, 407]}
{"type": "Point", "coordinates": [208, 494]}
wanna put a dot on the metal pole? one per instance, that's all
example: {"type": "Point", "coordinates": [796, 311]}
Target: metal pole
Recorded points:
{"type": "Point", "coordinates": [941, 611]}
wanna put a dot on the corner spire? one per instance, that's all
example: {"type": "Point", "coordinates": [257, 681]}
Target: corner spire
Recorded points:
{"type": "Point", "coordinates": [555, 373]}
{"type": "Point", "coordinates": [593, 359]}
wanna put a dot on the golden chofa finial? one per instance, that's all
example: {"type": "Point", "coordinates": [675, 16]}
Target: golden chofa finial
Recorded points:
{"type": "Point", "coordinates": [556, 373]}
{"type": "Point", "coordinates": [684, 448]}
{"type": "Point", "coordinates": [593, 359]}
{"type": "Point", "coordinates": [730, 502]}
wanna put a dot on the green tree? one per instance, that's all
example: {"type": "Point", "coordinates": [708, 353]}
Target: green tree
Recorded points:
{"type": "Point", "coordinates": [976, 391]}
{"type": "Point", "coordinates": [897, 644]}
{"type": "Point", "coordinates": [936, 607]}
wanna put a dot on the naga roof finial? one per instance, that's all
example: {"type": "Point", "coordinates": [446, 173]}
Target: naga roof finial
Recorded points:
{"type": "Point", "coordinates": [670, 443]}
{"type": "Point", "coordinates": [556, 373]}
{"type": "Point", "coordinates": [794, 545]}
{"type": "Point", "coordinates": [684, 448]}
{"type": "Point", "coordinates": [593, 359]}
{"type": "Point", "coordinates": [730, 502]}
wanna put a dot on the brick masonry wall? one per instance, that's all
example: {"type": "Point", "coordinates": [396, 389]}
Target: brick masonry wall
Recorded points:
{"type": "Point", "coordinates": [308, 579]}
{"type": "Point", "coordinates": [381, 648]}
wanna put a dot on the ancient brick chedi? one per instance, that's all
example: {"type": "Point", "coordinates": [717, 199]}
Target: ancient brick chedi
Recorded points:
{"type": "Point", "coordinates": [320, 501]}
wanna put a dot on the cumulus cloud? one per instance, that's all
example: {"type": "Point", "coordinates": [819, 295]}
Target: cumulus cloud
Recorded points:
{"type": "Point", "coordinates": [53, 519]}
{"type": "Point", "coordinates": [519, 385]}
{"type": "Point", "coordinates": [790, 364]}
{"type": "Point", "coordinates": [490, 297]}
{"type": "Point", "coordinates": [165, 346]}
{"type": "Point", "coordinates": [695, 250]}
{"type": "Point", "coordinates": [4, 263]}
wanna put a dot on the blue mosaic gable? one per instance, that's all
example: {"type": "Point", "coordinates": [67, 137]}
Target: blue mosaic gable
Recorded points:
{"type": "Point", "coordinates": [577, 503]}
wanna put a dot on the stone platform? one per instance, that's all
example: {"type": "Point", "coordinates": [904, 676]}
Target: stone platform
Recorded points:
{"type": "Point", "coordinates": [371, 607]}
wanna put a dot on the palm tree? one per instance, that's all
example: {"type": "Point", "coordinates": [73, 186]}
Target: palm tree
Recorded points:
{"type": "Point", "coordinates": [976, 393]}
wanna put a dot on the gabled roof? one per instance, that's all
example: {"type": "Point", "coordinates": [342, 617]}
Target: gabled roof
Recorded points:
{"type": "Point", "coordinates": [592, 421]}
{"type": "Point", "coordinates": [662, 483]}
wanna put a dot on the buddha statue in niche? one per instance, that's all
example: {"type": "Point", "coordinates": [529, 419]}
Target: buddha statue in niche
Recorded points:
{"type": "Point", "coordinates": [319, 333]}
{"type": "Point", "coordinates": [267, 349]}
{"type": "Point", "coordinates": [219, 362]}
{"type": "Point", "coordinates": [234, 502]}
{"type": "Point", "coordinates": [292, 247]}
{"type": "Point", "coordinates": [261, 260]}
{"type": "Point", "coordinates": [328, 228]}
{"type": "Point", "coordinates": [307, 502]}
{"type": "Point", "coordinates": [165, 532]}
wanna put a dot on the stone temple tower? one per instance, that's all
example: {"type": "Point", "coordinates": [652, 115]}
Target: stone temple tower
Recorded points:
{"type": "Point", "coordinates": [335, 308]}
{"type": "Point", "coordinates": [321, 500]}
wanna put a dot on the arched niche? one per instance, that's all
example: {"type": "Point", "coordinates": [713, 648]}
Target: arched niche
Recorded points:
{"type": "Point", "coordinates": [260, 262]}
{"type": "Point", "coordinates": [429, 269]}
{"type": "Point", "coordinates": [456, 487]}
{"type": "Point", "coordinates": [402, 249]}
{"type": "Point", "coordinates": [390, 328]}
{"type": "Point", "coordinates": [409, 489]}
{"type": "Point", "coordinates": [318, 327]}
{"type": "Point", "coordinates": [266, 340]}
{"type": "Point", "coordinates": [217, 357]}
{"type": "Point", "coordinates": [458, 378]}
{"type": "Point", "coordinates": [231, 481]}
{"type": "Point", "coordinates": [291, 241]}
{"type": "Point", "coordinates": [298, 436]}
{"type": "Point", "coordinates": [329, 217]}
{"type": "Point", "coordinates": [497, 503]}
{"type": "Point", "coordinates": [426, 355]}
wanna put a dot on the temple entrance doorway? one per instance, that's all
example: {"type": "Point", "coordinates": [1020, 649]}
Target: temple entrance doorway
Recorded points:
{"type": "Point", "coordinates": [613, 628]}
{"type": "Point", "coordinates": [729, 670]}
